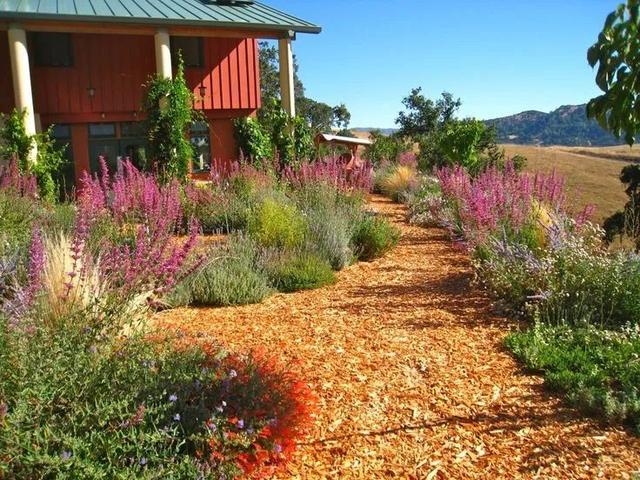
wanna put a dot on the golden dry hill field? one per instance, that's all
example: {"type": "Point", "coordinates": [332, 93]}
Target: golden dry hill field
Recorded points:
{"type": "Point", "coordinates": [591, 172]}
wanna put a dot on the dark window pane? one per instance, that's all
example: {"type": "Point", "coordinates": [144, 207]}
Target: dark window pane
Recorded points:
{"type": "Point", "coordinates": [102, 130]}
{"type": "Point", "coordinates": [201, 146]}
{"type": "Point", "coordinates": [132, 129]}
{"type": "Point", "coordinates": [200, 127]}
{"type": "Point", "coordinates": [53, 49]}
{"type": "Point", "coordinates": [61, 132]}
{"type": "Point", "coordinates": [191, 50]}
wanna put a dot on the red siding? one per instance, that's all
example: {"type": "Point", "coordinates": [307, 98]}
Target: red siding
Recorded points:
{"type": "Point", "coordinates": [6, 86]}
{"type": "Point", "coordinates": [117, 66]}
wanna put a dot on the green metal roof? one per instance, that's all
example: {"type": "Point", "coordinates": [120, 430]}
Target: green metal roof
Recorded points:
{"type": "Point", "coordinates": [203, 13]}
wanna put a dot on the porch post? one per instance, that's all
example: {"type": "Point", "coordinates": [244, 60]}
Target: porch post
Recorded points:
{"type": "Point", "coordinates": [286, 75]}
{"type": "Point", "coordinates": [21, 76]}
{"type": "Point", "coordinates": [163, 53]}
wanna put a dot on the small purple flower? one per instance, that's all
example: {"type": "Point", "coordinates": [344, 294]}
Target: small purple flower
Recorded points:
{"type": "Point", "coordinates": [233, 374]}
{"type": "Point", "coordinates": [277, 448]}
{"type": "Point", "coordinates": [212, 426]}
{"type": "Point", "coordinates": [177, 417]}
{"type": "Point", "coordinates": [66, 455]}
{"type": "Point", "coordinates": [173, 398]}
{"type": "Point", "coordinates": [143, 461]}
{"type": "Point", "coordinates": [240, 424]}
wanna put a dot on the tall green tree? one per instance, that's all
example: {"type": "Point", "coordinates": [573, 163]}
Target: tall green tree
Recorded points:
{"type": "Point", "coordinates": [423, 116]}
{"type": "Point", "coordinates": [319, 115]}
{"type": "Point", "coordinates": [270, 74]}
{"type": "Point", "coordinates": [617, 55]}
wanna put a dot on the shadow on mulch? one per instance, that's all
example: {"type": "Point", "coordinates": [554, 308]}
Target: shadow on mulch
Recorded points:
{"type": "Point", "coordinates": [453, 294]}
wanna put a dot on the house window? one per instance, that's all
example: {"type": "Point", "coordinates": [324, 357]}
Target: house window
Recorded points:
{"type": "Point", "coordinates": [53, 49]}
{"type": "Point", "coordinates": [191, 50]}
{"type": "Point", "coordinates": [65, 176]}
{"type": "Point", "coordinates": [132, 129]}
{"type": "Point", "coordinates": [202, 147]}
{"type": "Point", "coordinates": [102, 130]}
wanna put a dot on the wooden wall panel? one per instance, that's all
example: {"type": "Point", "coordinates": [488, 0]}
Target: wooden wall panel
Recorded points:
{"type": "Point", "coordinates": [117, 66]}
{"type": "Point", "coordinates": [7, 101]}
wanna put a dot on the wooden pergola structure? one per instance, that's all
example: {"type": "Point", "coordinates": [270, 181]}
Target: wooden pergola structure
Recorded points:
{"type": "Point", "coordinates": [351, 143]}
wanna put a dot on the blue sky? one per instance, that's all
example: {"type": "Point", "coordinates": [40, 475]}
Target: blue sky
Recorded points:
{"type": "Point", "coordinates": [500, 57]}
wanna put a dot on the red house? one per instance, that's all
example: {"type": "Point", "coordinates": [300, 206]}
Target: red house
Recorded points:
{"type": "Point", "coordinates": [80, 65]}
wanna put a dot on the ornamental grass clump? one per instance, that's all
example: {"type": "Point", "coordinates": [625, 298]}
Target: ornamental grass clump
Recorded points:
{"type": "Point", "coordinates": [396, 181]}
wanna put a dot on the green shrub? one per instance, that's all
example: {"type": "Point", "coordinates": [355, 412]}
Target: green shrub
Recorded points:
{"type": "Point", "coordinates": [597, 370]}
{"type": "Point", "coordinates": [233, 276]}
{"type": "Point", "coordinates": [276, 223]}
{"type": "Point", "coordinates": [304, 271]}
{"type": "Point", "coordinates": [385, 148]}
{"type": "Point", "coordinates": [373, 237]}
{"type": "Point", "coordinates": [576, 281]}
{"type": "Point", "coordinates": [16, 144]}
{"type": "Point", "coordinates": [330, 216]}
{"type": "Point", "coordinates": [18, 216]}
{"type": "Point", "coordinates": [76, 404]}
{"type": "Point", "coordinates": [253, 141]}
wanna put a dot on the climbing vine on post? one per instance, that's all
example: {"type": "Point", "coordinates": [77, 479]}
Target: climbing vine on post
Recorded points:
{"type": "Point", "coordinates": [169, 107]}
{"type": "Point", "coordinates": [17, 145]}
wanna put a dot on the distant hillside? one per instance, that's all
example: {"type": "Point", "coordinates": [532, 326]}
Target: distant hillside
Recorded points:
{"type": "Point", "coordinates": [385, 131]}
{"type": "Point", "coordinates": [568, 125]}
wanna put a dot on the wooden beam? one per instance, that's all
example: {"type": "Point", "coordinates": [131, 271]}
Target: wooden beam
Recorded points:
{"type": "Point", "coordinates": [143, 29]}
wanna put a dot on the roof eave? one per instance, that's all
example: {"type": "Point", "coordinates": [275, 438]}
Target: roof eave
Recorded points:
{"type": "Point", "coordinates": [279, 28]}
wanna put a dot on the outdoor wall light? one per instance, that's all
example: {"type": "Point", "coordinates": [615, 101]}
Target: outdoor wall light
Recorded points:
{"type": "Point", "coordinates": [91, 91]}
{"type": "Point", "coordinates": [203, 91]}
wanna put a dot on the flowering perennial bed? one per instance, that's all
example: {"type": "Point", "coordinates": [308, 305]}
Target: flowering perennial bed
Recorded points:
{"type": "Point", "coordinates": [413, 380]}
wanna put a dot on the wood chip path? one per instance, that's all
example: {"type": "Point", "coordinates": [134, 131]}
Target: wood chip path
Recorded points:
{"type": "Point", "coordinates": [407, 359]}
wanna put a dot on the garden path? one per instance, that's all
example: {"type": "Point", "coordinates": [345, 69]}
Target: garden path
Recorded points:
{"type": "Point", "coordinates": [406, 357]}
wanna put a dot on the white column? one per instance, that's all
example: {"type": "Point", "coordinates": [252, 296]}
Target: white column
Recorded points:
{"type": "Point", "coordinates": [21, 74]}
{"type": "Point", "coordinates": [163, 54]}
{"type": "Point", "coordinates": [286, 76]}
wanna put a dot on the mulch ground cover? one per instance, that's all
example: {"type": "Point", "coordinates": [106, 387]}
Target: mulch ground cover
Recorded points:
{"type": "Point", "coordinates": [406, 357]}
